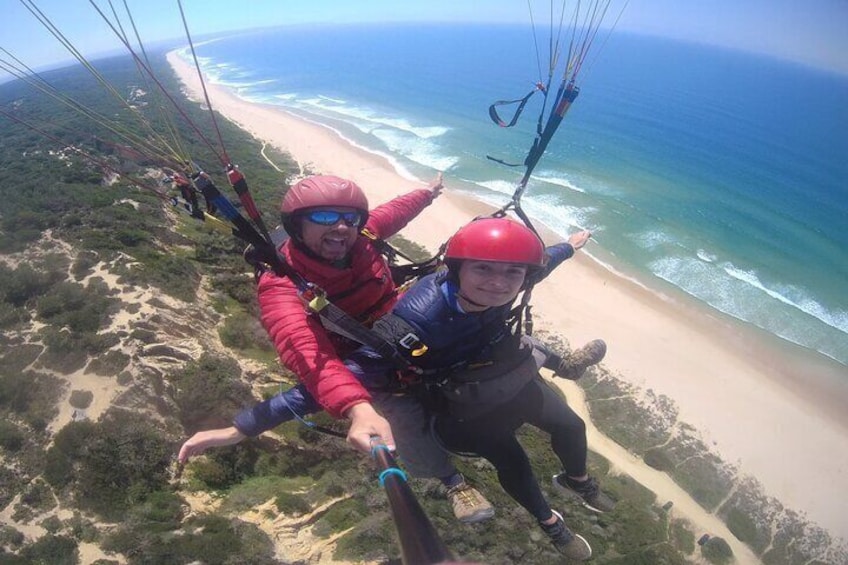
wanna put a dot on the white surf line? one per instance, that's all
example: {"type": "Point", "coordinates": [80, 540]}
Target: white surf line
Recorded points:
{"type": "Point", "coordinates": [658, 482]}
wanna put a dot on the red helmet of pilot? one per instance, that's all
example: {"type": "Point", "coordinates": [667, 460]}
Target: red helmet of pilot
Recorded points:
{"type": "Point", "coordinates": [320, 191]}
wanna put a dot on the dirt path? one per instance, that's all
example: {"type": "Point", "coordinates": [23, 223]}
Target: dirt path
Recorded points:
{"type": "Point", "coordinates": [666, 489]}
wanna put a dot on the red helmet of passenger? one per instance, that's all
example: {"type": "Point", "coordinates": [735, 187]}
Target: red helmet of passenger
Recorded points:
{"type": "Point", "coordinates": [323, 190]}
{"type": "Point", "coordinates": [497, 239]}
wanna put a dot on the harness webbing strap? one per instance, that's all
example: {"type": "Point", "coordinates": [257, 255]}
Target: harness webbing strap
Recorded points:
{"type": "Point", "coordinates": [566, 95]}
{"type": "Point", "coordinates": [239, 184]}
{"type": "Point", "coordinates": [493, 112]}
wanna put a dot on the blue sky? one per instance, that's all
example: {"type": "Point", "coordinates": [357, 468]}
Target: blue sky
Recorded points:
{"type": "Point", "coordinates": [808, 31]}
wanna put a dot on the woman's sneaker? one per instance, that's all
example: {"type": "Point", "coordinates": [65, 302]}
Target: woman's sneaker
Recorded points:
{"type": "Point", "coordinates": [469, 506]}
{"type": "Point", "coordinates": [574, 546]}
{"type": "Point", "coordinates": [589, 490]}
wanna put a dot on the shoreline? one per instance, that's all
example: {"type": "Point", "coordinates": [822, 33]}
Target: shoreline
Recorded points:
{"type": "Point", "coordinates": [781, 400]}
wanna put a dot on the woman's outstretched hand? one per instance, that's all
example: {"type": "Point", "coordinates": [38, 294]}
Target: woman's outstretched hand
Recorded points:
{"type": "Point", "coordinates": [579, 239]}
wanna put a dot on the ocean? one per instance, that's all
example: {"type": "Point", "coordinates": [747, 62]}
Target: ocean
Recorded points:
{"type": "Point", "coordinates": [707, 171]}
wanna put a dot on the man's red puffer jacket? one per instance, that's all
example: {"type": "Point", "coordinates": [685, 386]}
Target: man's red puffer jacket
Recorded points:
{"type": "Point", "coordinates": [364, 290]}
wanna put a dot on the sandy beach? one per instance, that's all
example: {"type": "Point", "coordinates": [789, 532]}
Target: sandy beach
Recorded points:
{"type": "Point", "coordinates": [773, 410]}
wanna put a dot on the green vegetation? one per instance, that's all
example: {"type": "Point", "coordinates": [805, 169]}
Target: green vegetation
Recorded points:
{"type": "Point", "coordinates": [777, 535]}
{"type": "Point", "coordinates": [11, 436]}
{"type": "Point", "coordinates": [717, 551]}
{"type": "Point", "coordinates": [658, 459]}
{"type": "Point", "coordinates": [205, 539]}
{"type": "Point", "coordinates": [56, 550]}
{"type": "Point", "coordinates": [243, 332]}
{"type": "Point", "coordinates": [81, 399]}
{"type": "Point", "coordinates": [81, 309]}
{"type": "Point", "coordinates": [20, 357]}
{"type": "Point", "coordinates": [682, 537]}
{"type": "Point", "coordinates": [290, 503]}
{"type": "Point", "coordinates": [10, 537]}
{"type": "Point", "coordinates": [31, 396]}
{"type": "Point", "coordinates": [109, 466]}
{"type": "Point", "coordinates": [109, 364]}
{"type": "Point", "coordinates": [208, 387]}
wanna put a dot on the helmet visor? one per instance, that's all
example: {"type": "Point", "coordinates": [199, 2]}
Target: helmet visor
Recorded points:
{"type": "Point", "coordinates": [333, 217]}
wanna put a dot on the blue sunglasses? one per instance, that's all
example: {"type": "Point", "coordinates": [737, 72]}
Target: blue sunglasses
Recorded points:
{"type": "Point", "coordinates": [332, 217]}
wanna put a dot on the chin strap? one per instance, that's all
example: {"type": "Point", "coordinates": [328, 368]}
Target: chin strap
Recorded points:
{"type": "Point", "coordinates": [461, 295]}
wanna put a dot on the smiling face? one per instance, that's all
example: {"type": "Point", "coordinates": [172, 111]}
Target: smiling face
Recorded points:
{"type": "Point", "coordinates": [487, 284]}
{"type": "Point", "coordinates": [333, 242]}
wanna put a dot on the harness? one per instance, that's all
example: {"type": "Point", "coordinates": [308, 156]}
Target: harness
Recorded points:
{"type": "Point", "coordinates": [264, 256]}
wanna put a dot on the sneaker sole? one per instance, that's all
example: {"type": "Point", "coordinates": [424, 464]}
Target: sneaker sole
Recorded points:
{"type": "Point", "coordinates": [478, 517]}
{"type": "Point", "coordinates": [578, 536]}
{"type": "Point", "coordinates": [568, 492]}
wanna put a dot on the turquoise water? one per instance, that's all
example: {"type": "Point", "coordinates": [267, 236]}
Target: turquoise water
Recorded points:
{"type": "Point", "coordinates": [718, 172]}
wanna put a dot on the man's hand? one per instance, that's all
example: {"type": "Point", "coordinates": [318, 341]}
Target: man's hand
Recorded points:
{"type": "Point", "coordinates": [201, 441]}
{"type": "Point", "coordinates": [436, 186]}
{"type": "Point", "coordinates": [365, 423]}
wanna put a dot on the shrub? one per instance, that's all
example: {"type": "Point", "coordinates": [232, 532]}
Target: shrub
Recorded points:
{"type": "Point", "coordinates": [143, 335]}
{"type": "Point", "coordinates": [25, 283]}
{"type": "Point", "coordinates": [334, 490]}
{"type": "Point", "coordinates": [68, 351]}
{"type": "Point", "coordinates": [32, 395]}
{"type": "Point", "coordinates": [682, 537]}
{"type": "Point", "coordinates": [658, 459]}
{"type": "Point", "coordinates": [64, 353]}
{"type": "Point", "coordinates": [160, 512]}
{"type": "Point", "coordinates": [82, 529]}
{"type": "Point", "coordinates": [110, 465]}
{"type": "Point", "coordinates": [38, 496]}
{"type": "Point", "coordinates": [84, 263]}
{"type": "Point", "coordinates": [81, 309]}
{"type": "Point", "coordinates": [211, 473]}
{"type": "Point", "coordinates": [341, 516]}
{"type": "Point", "coordinates": [20, 357]}
{"type": "Point", "coordinates": [174, 275]}
{"type": "Point", "coordinates": [11, 437]}
{"type": "Point", "coordinates": [290, 503]}
{"type": "Point", "coordinates": [741, 526]}
{"type": "Point", "coordinates": [236, 286]}
{"type": "Point", "coordinates": [52, 524]}
{"type": "Point", "coordinates": [717, 551]}
{"type": "Point", "coordinates": [56, 550]}
{"type": "Point", "coordinates": [109, 364]}
{"type": "Point", "coordinates": [242, 331]}
{"type": "Point", "coordinates": [81, 399]}
{"type": "Point", "coordinates": [12, 317]}
{"type": "Point", "coordinates": [207, 387]}
{"type": "Point", "coordinates": [67, 444]}
{"type": "Point", "coordinates": [9, 536]}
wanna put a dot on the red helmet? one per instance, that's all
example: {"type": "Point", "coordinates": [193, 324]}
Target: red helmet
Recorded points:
{"type": "Point", "coordinates": [323, 190]}
{"type": "Point", "coordinates": [497, 239]}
